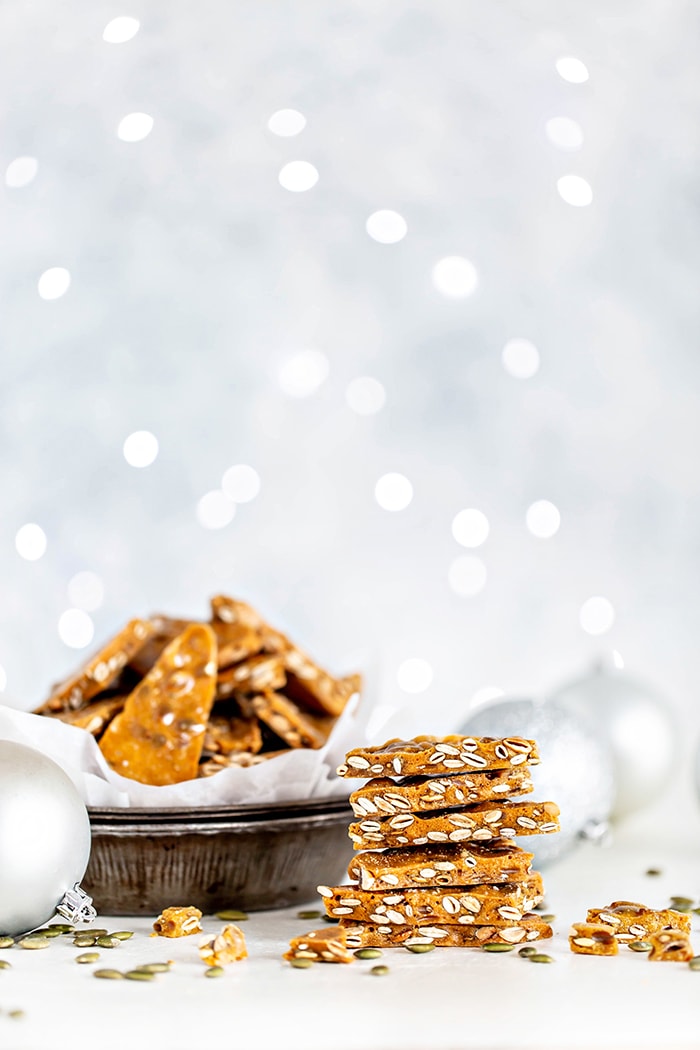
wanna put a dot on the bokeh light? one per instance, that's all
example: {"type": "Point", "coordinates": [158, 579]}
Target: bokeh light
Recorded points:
{"type": "Point", "coordinates": [521, 358]}
{"type": "Point", "coordinates": [53, 283]}
{"type": "Point", "coordinates": [215, 509]}
{"type": "Point", "coordinates": [86, 591]}
{"type": "Point", "coordinates": [386, 227]}
{"type": "Point", "coordinates": [467, 575]}
{"type": "Point", "coordinates": [302, 374]}
{"type": "Point", "coordinates": [393, 492]}
{"type": "Point", "coordinates": [572, 69]}
{"type": "Point", "coordinates": [564, 133]}
{"type": "Point", "coordinates": [455, 277]}
{"type": "Point", "coordinates": [575, 191]}
{"type": "Point", "coordinates": [542, 519]}
{"type": "Point", "coordinates": [414, 675]}
{"type": "Point", "coordinates": [75, 628]}
{"type": "Point", "coordinates": [298, 176]}
{"type": "Point", "coordinates": [365, 395]}
{"type": "Point", "coordinates": [135, 127]}
{"type": "Point", "coordinates": [241, 483]}
{"type": "Point", "coordinates": [31, 542]}
{"type": "Point", "coordinates": [597, 615]}
{"type": "Point", "coordinates": [286, 122]}
{"type": "Point", "coordinates": [140, 448]}
{"type": "Point", "coordinates": [470, 527]}
{"type": "Point", "coordinates": [121, 29]}
{"type": "Point", "coordinates": [20, 172]}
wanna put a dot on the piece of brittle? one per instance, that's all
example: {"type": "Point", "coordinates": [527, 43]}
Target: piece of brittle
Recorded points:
{"type": "Point", "coordinates": [383, 796]}
{"type": "Point", "coordinates": [433, 756]}
{"type": "Point", "coordinates": [326, 945]}
{"type": "Point", "coordinates": [226, 947]}
{"type": "Point", "coordinates": [445, 935]}
{"type": "Point", "coordinates": [178, 922]}
{"type": "Point", "coordinates": [632, 921]}
{"type": "Point", "coordinates": [252, 675]}
{"type": "Point", "coordinates": [670, 946]}
{"type": "Point", "coordinates": [286, 719]}
{"type": "Point", "coordinates": [449, 865]}
{"type": "Point", "coordinates": [592, 938]}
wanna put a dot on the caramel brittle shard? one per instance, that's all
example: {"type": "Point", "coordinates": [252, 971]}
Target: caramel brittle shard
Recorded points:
{"type": "Point", "coordinates": [178, 922]}
{"type": "Point", "coordinates": [165, 630]}
{"type": "Point", "coordinates": [499, 905]}
{"type": "Point", "coordinates": [592, 938]}
{"type": "Point", "coordinates": [251, 676]}
{"type": "Point", "coordinates": [444, 935]}
{"type": "Point", "coordinates": [449, 865]}
{"type": "Point", "coordinates": [433, 756]}
{"type": "Point", "coordinates": [670, 946]}
{"type": "Point", "coordinates": [632, 921]}
{"type": "Point", "coordinates": [285, 718]}
{"type": "Point", "coordinates": [326, 945]}
{"type": "Point", "coordinates": [158, 737]}
{"type": "Point", "coordinates": [227, 947]}
{"type": "Point", "coordinates": [383, 796]}
{"type": "Point", "coordinates": [96, 716]}
{"type": "Point", "coordinates": [479, 823]}
{"type": "Point", "coordinates": [235, 642]}
{"type": "Point", "coordinates": [100, 671]}
{"type": "Point", "coordinates": [230, 731]}
{"type": "Point", "coordinates": [234, 611]}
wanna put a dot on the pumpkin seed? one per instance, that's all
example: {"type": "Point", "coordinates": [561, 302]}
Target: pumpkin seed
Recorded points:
{"type": "Point", "coordinates": [547, 917]}
{"type": "Point", "coordinates": [639, 946]}
{"type": "Point", "coordinates": [301, 964]}
{"type": "Point", "coordinates": [498, 946]}
{"type": "Point", "coordinates": [34, 942]}
{"type": "Point", "coordinates": [379, 971]}
{"type": "Point", "coordinates": [6, 942]}
{"type": "Point", "coordinates": [156, 967]}
{"type": "Point", "coordinates": [15, 1014]}
{"type": "Point", "coordinates": [528, 951]}
{"type": "Point", "coordinates": [62, 927]}
{"type": "Point", "coordinates": [107, 942]}
{"type": "Point", "coordinates": [87, 957]}
{"type": "Point", "coordinates": [122, 935]}
{"type": "Point", "coordinates": [694, 963]}
{"type": "Point", "coordinates": [109, 975]}
{"type": "Point", "coordinates": [682, 903]}
{"type": "Point", "coordinates": [84, 942]}
{"type": "Point", "coordinates": [419, 949]}
{"type": "Point", "coordinates": [231, 915]}
{"type": "Point", "coordinates": [46, 931]}
{"type": "Point", "coordinates": [4, 965]}
{"type": "Point", "coordinates": [367, 953]}
{"type": "Point", "coordinates": [309, 914]}
{"type": "Point", "coordinates": [139, 975]}
{"type": "Point", "coordinates": [214, 971]}
{"type": "Point", "coordinates": [653, 871]}
{"type": "Point", "coordinates": [92, 932]}
{"type": "Point", "coordinates": [538, 957]}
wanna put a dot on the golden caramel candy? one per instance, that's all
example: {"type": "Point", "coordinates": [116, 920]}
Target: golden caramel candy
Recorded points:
{"type": "Point", "coordinates": [158, 737]}
{"type": "Point", "coordinates": [285, 718]}
{"type": "Point", "coordinates": [178, 922]}
{"type": "Point", "coordinates": [479, 823]}
{"type": "Point", "coordinates": [449, 865]}
{"type": "Point", "coordinates": [383, 796]}
{"type": "Point", "coordinates": [591, 938]}
{"type": "Point", "coordinates": [96, 716]}
{"type": "Point", "coordinates": [499, 904]}
{"type": "Point", "coordinates": [444, 935]}
{"type": "Point", "coordinates": [434, 756]}
{"type": "Point", "coordinates": [229, 731]}
{"type": "Point", "coordinates": [165, 630]}
{"type": "Point", "coordinates": [227, 947]}
{"type": "Point", "coordinates": [670, 946]}
{"type": "Point", "coordinates": [632, 921]}
{"type": "Point", "coordinates": [326, 945]}
{"type": "Point", "coordinates": [100, 671]}
{"type": "Point", "coordinates": [251, 676]}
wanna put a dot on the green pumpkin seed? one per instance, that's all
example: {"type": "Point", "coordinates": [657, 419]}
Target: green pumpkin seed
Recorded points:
{"type": "Point", "coordinates": [379, 971]}
{"type": "Point", "coordinates": [682, 903]}
{"type": "Point", "coordinates": [653, 871]}
{"type": "Point", "coordinates": [15, 1014]}
{"type": "Point", "coordinates": [4, 965]}
{"type": "Point", "coordinates": [301, 964]}
{"type": "Point", "coordinates": [639, 946]}
{"type": "Point", "coordinates": [46, 931]}
{"type": "Point", "coordinates": [122, 935]}
{"type": "Point", "coordinates": [420, 949]}
{"type": "Point", "coordinates": [694, 963]}
{"type": "Point", "coordinates": [87, 957]}
{"type": "Point", "coordinates": [92, 932]}
{"type": "Point", "coordinates": [62, 927]}
{"type": "Point", "coordinates": [528, 951]}
{"type": "Point", "coordinates": [214, 971]}
{"type": "Point", "coordinates": [231, 915]}
{"type": "Point", "coordinates": [139, 975]}
{"type": "Point", "coordinates": [547, 917]}
{"type": "Point", "coordinates": [34, 942]}
{"type": "Point", "coordinates": [330, 918]}
{"type": "Point", "coordinates": [538, 957]}
{"type": "Point", "coordinates": [368, 953]}
{"type": "Point", "coordinates": [109, 975]}
{"type": "Point", "coordinates": [156, 967]}
{"type": "Point", "coordinates": [498, 946]}
{"type": "Point", "coordinates": [84, 942]}
{"type": "Point", "coordinates": [309, 914]}
{"type": "Point", "coordinates": [6, 942]}
{"type": "Point", "coordinates": [107, 942]}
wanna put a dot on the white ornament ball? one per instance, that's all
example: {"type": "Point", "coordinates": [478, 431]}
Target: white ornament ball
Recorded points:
{"type": "Point", "coordinates": [575, 769]}
{"type": "Point", "coordinates": [44, 837]}
{"type": "Point", "coordinates": [639, 728]}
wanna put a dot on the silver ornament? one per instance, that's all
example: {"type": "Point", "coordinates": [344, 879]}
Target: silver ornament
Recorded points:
{"type": "Point", "coordinates": [44, 839]}
{"type": "Point", "coordinates": [575, 770]}
{"type": "Point", "coordinates": [638, 726]}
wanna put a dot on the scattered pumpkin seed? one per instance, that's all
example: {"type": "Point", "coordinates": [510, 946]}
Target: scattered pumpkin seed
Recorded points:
{"type": "Point", "coordinates": [122, 935]}
{"type": "Point", "coordinates": [498, 946]}
{"type": "Point", "coordinates": [109, 975]}
{"type": "Point", "coordinates": [33, 941]}
{"type": "Point", "coordinates": [653, 871]}
{"type": "Point", "coordinates": [139, 975]}
{"type": "Point", "coordinates": [232, 915]}
{"type": "Point", "coordinates": [87, 957]}
{"type": "Point", "coordinates": [311, 914]}
{"type": "Point", "coordinates": [84, 942]}
{"type": "Point", "coordinates": [156, 967]}
{"type": "Point", "coordinates": [62, 927]}
{"type": "Point", "coordinates": [379, 971]}
{"type": "Point", "coordinates": [368, 953]}
{"type": "Point", "coordinates": [15, 1014]}
{"type": "Point", "coordinates": [694, 963]}
{"type": "Point", "coordinates": [539, 957]}
{"type": "Point", "coordinates": [46, 931]}
{"type": "Point", "coordinates": [547, 917]}
{"type": "Point", "coordinates": [639, 946]}
{"type": "Point", "coordinates": [528, 951]}
{"type": "Point", "coordinates": [214, 971]}
{"type": "Point", "coordinates": [419, 949]}
{"type": "Point", "coordinates": [682, 903]}
{"type": "Point", "coordinates": [6, 942]}
{"type": "Point", "coordinates": [301, 964]}
{"type": "Point", "coordinates": [330, 918]}
{"type": "Point", "coordinates": [696, 911]}
{"type": "Point", "coordinates": [107, 942]}
{"type": "Point", "coordinates": [4, 965]}
{"type": "Point", "coordinates": [93, 932]}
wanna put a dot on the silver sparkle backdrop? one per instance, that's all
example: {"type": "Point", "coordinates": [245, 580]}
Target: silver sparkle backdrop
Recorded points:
{"type": "Point", "coordinates": [195, 277]}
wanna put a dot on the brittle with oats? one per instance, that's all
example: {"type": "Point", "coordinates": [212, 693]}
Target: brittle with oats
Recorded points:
{"type": "Point", "coordinates": [435, 755]}
{"type": "Point", "coordinates": [226, 947]}
{"type": "Point", "coordinates": [326, 945]}
{"type": "Point", "coordinates": [384, 796]}
{"type": "Point", "coordinates": [632, 921]}
{"type": "Point", "coordinates": [444, 935]}
{"type": "Point", "coordinates": [295, 727]}
{"type": "Point", "coordinates": [178, 922]}
{"type": "Point", "coordinates": [592, 938]}
{"type": "Point", "coordinates": [670, 946]}
{"type": "Point", "coordinates": [437, 865]}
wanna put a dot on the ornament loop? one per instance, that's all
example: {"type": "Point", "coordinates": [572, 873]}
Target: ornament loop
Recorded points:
{"type": "Point", "coordinates": [76, 906]}
{"type": "Point", "coordinates": [598, 832]}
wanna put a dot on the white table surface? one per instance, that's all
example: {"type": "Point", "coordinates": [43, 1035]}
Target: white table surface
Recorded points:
{"type": "Point", "coordinates": [444, 1000]}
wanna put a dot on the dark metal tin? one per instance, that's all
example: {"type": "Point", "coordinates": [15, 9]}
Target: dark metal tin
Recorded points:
{"type": "Point", "coordinates": [248, 857]}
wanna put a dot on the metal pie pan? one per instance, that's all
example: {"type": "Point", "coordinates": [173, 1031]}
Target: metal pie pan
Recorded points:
{"type": "Point", "coordinates": [248, 857]}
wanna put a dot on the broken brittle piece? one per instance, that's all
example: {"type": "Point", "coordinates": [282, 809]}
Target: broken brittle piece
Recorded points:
{"type": "Point", "coordinates": [178, 922]}
{"type": "Point", "coordinates": [416, 794]}
{"type": "Point", "coordinates": [444, 935]}
{"type": "Point", "coordinates": [631, 921]}
{"type": "Point", "coordinates": [285, 718]}
{"type": "Point", "coordinates": [226, 947]}
{"type": "Point", "coordinates": [326, 945]}
{"type": "Point", "coordinates": [670, 946]}
{"type": "Point", "coordinates": [158, 737]}
{"type": "Point", "coordinates": [100, 671]}
{"type": "Point", "coordinates": [434, 755]}
{"type": "Point", "coordinates": [228, 730]}
{"type": "Point", "coordinates": [592, 938]}
{"type": "Point", "coordinates": [165, 630]}
{"type": "Point", "coordinates": [251, 676]}
{"type": "Point", "coordinates": [458, 864]}
{"type": "Point", "coordinates": [96, 716]}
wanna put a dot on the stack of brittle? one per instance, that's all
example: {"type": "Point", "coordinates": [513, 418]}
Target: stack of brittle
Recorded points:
{"type": "Point", "coordinates": [171, 699]}
{"type": "Point", "coordinates": [436, 863]}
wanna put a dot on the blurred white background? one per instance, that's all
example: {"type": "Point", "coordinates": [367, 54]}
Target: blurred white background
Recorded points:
{"type": "Point", "coordinates": [427, 271]}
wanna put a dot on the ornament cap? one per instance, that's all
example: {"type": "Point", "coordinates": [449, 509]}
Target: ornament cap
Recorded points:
{"type": "Point", "coordinates": [76, 906]}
